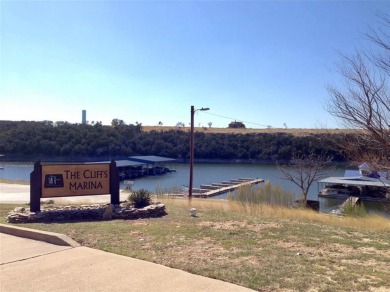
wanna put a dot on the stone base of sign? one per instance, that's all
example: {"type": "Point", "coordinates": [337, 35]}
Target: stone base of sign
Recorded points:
{"type": "Point", "coordinates": [85, 213]}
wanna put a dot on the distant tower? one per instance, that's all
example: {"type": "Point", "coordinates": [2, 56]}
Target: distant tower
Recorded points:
{"type": "Point", "coordinates": [84, 117]}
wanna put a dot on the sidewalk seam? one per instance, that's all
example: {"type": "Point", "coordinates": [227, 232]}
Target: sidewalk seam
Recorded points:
{"type": "Point", "coordinates": [37, 256]}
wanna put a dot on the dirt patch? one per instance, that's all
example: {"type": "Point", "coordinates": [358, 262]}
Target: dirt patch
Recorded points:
{"type": "Point", "coordinates": [340, 253]}
{"type": "Point", "coordinates": [236, 225]}
{"type": "Point", "coordinates": [201, 252]}
{"type": "Point", "coordinates": [139, 223]}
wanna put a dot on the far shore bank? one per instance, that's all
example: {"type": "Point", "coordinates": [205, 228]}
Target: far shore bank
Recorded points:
{"type": "Point", "coordinates": [80, 159]}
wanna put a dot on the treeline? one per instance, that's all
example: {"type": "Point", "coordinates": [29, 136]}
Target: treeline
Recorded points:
{"type": "Point", "coordinates": [62, 139]}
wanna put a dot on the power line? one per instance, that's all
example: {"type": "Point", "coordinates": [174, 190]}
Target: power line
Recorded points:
{"type": "Point", "coordinates": [229, 118]}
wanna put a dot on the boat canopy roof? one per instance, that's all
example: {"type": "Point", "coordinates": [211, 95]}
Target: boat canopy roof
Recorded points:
{"type": "Point", "coordinates": [151, 159]}
{"type": "Point", "coordinates": [124, 163]}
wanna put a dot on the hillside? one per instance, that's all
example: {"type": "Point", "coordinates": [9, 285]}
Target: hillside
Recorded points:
{"type": "Point", "coordinates": [62, 139]}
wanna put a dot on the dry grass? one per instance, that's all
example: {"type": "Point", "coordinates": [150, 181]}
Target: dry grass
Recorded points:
{"type": "Point", "coordinates": [296, 132]}
{"type": "Point", "coordinates": [371, 222]}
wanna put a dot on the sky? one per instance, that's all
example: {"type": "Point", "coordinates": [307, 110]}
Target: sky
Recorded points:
{"type": "Point", "coordinates": [266, 63]}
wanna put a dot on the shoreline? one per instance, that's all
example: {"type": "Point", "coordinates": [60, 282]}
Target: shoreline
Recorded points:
{"type": "Point", "coordinates": [179, 161]}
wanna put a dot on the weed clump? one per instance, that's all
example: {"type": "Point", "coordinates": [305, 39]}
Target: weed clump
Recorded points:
{"type": "Point", "coordinates": [265, 194]}
{"type": "Point", "coordinates": [353, 210]}
{"type": "Point", "coordinates": [140, 198]}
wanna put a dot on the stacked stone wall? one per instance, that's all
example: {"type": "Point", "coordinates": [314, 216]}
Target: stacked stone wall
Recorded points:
{"type": "Point", "coordinates": [85, 213]}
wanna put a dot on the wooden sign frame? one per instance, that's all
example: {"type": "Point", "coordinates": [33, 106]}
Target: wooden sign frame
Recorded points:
{"type": "Point", "coordinates": [63, 180]}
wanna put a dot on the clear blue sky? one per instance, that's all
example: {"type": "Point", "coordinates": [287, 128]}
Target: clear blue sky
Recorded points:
{"type": "Point", "coordinates": [263, 62]}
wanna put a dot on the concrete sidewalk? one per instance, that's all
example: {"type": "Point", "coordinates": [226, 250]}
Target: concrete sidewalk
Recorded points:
{"type": "Point", "coordinates": [20, 194]}
{"type": "Point", "coordinates": [30, 265]}
{"type": "Point", "coordinates": [14, 193]}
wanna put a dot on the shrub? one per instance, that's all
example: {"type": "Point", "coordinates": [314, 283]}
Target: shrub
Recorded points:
{"type": "Point", "coordinates": [356, 210]}
{"type": "Point", "coordinates": [140, 198]}
{"type": "Point", "coordinates": [263, 194]}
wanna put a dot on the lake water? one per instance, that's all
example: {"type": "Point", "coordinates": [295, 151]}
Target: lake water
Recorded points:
{"type": "Point", "coordinates": [204, 174]}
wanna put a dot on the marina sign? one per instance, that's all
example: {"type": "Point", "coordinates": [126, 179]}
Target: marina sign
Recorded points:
{"type": "Point", "coordinates": [63, 180]}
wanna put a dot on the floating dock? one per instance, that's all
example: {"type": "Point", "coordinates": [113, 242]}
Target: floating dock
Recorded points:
{"type": "Point", "coordinates": [216, 189]}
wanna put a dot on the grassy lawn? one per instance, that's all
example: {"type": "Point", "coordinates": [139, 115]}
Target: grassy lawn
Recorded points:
{"type": "Point", "coordinates": [260, 247]}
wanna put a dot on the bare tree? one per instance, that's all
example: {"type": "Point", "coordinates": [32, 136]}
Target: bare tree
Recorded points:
{"type": "Point", "coordinates": [304, 170]}
{"type": "Point", "coordinates": [362, 103]}
{"type": "Point", "coordinates": [381, 38]}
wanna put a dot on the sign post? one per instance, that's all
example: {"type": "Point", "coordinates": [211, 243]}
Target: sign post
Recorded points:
{"type": "Point", "coordinates": [62, 180]}
{"type": "Point", "coordinates": [114, 183]}
{"type": "Point", "coordinates": [36, 187]}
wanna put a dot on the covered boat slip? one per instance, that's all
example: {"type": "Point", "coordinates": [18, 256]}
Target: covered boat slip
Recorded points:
{"type": "Point", "coordinates": [138, 166]}
{"type": "Point", "coordinates": [130, 169]}
{"type": "Point", "coordinates": [366, 188]}
{"type": "Point", "coordinates": [154, 164]}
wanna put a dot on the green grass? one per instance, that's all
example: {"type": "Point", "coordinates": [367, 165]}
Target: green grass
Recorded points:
{"type": "Point", "coordinates": [263, 248]}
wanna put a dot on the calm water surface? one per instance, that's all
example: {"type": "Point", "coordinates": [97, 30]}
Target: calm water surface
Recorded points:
{"type": "Point", "coordinates": [203, 174]}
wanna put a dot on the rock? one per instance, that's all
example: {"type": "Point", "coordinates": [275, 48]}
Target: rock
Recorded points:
{"type": "Point", "coordinates": [118, 210]}
{"type": "Point", "coordinates": [23, 216]}
{"type": "Point", "coordinates": [108, 212]}
{"type": "Point", "coordinates": [19, 209]}
{"type": "Point", "coordinates": [129, 211]}
{"type": "Point", "coordinates": [143, 212]}
{"type": "Point", "coordinates": [151, 208]}
{"type": "Point", "coordinates": [193, 212]}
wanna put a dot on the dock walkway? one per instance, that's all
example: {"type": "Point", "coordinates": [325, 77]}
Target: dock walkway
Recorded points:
{"type": "Point", "coordinates": [216, 189]}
